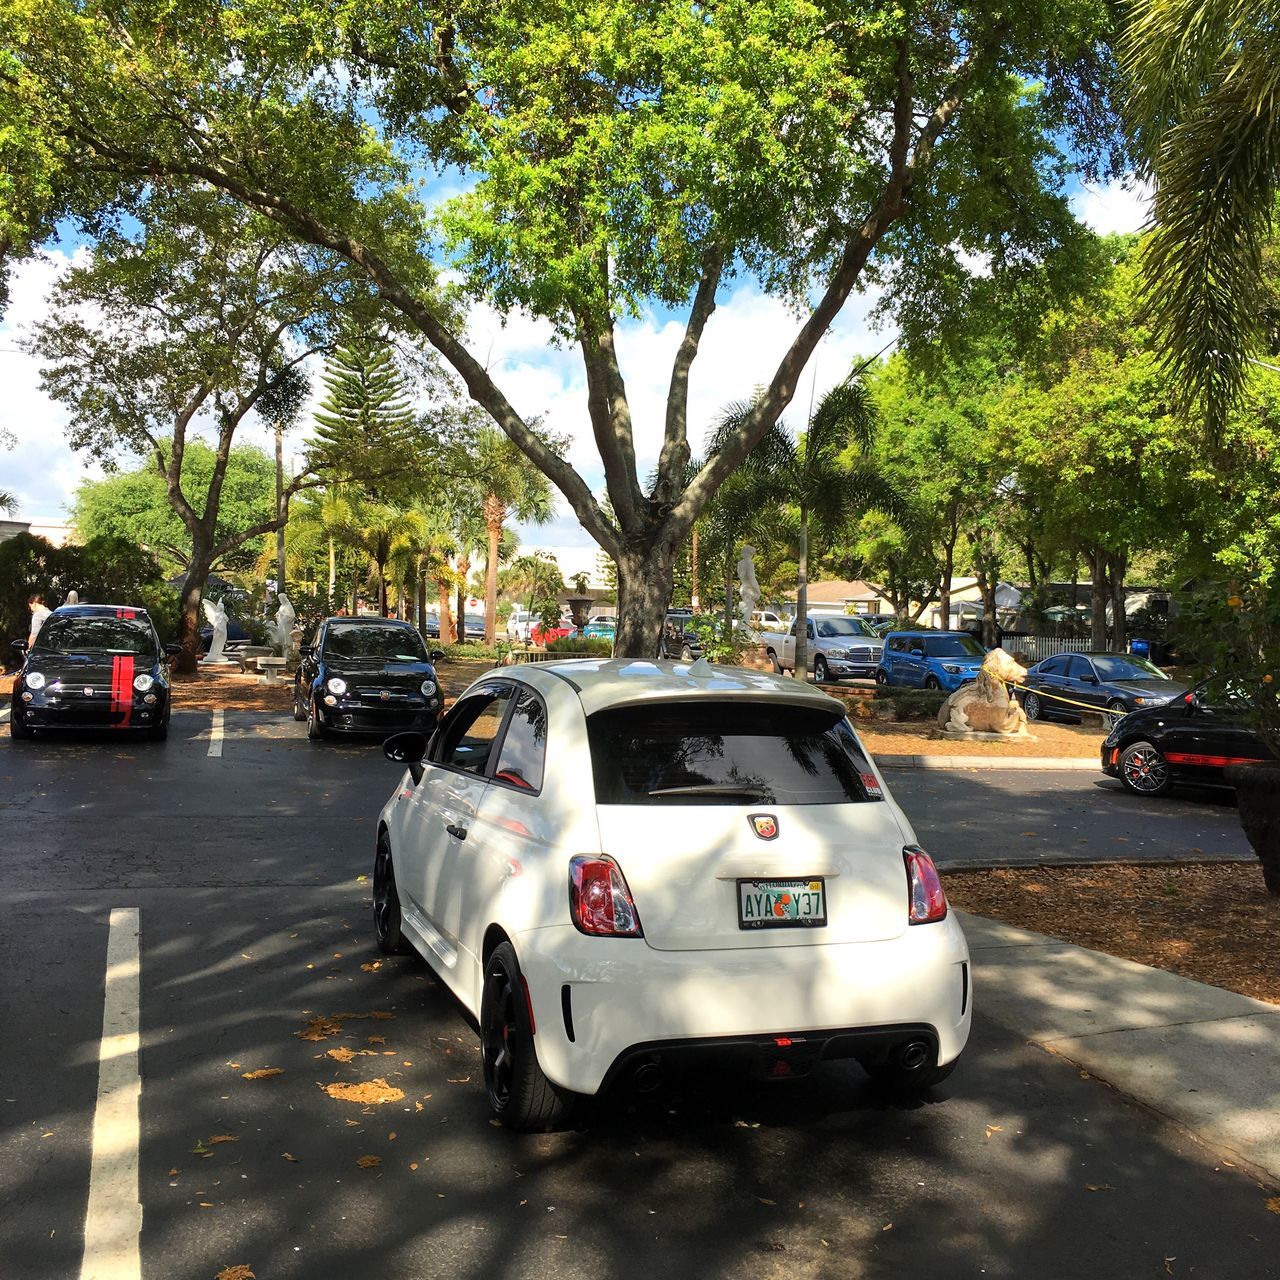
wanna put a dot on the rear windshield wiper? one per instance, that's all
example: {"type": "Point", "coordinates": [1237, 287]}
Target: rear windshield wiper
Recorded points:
{"type": "Point", "coordinates": [714, 789]}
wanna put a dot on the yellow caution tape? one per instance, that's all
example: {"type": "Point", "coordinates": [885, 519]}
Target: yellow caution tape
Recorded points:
{"type": "Point", "coordinates": [1057, 697]}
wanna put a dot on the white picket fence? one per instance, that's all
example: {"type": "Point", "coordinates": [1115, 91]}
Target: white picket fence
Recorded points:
{"type": "Point", "coordinates": [1037, 648]}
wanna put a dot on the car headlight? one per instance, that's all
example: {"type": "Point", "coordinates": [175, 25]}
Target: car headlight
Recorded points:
{"type": "Point", "coordinates": [428, 687]}
{"type": "Point", "coordinates": [837, 653]}
{"type": "Point", "coordinates": [951, 670]}
{"type": "Point", "coordinates": [142, 682]}
{"type": "Point", "coordinates": [336, 684]}
{"type": "Point", "coordinates": [34, 679]}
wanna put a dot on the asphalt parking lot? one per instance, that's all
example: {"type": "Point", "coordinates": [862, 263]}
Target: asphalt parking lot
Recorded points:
{"type": "Point", "coordinates": [245, 868]}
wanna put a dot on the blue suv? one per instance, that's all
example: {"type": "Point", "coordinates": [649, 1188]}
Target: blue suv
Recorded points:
{"type": "Point", "coordinates": [930, 659]}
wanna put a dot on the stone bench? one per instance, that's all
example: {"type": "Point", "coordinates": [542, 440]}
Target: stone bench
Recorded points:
{"type": "Point", "coordinates": [271, 669]}
{"type": "Point", "coordinates": [249, 655]}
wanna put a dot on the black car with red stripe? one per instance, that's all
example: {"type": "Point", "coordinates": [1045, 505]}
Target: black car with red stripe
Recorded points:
{"type": "Point", "coordinates": [1184, 741]}
{"type": "Point", "coordinates": [93, 666]}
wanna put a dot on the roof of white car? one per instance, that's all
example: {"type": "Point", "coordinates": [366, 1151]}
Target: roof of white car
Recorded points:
{"type": "Point", "coordinates": [611, 682]}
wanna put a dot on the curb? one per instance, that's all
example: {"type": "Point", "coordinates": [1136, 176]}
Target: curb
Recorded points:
{"type": "Point", "coordinates": [1069, 863]}
{"type": "Point", "coordinates": [1071, 763]}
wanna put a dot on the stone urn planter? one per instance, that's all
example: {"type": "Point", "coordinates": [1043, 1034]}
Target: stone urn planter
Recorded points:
{"type": "Point", "coordinates": [578, 606]}
{"type": "Point", "coordinates": [1258, 795]}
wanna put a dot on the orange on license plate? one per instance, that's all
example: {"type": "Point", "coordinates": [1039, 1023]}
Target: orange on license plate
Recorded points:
{"type": "Point", "coordinates": [782, 904]}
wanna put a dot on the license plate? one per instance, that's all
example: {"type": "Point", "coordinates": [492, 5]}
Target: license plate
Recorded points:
{"type": "Point", "coordinates": [782, 904]}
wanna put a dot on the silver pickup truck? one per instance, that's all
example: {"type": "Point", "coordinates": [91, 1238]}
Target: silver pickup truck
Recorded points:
{"type": "Point", "coordinates": [839, 647]}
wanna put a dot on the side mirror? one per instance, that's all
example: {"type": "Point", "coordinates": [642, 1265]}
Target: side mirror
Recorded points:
{"type": "Point", "coordinates": [20, 645]}
{"type": "Point", "coordinates": [437, 654]}
{"type": "Point", "coordinates": [172, 650]}
{"type": "Point", "coordinates": [408, 748]}
{"type": "Point", "coordinates": [1088, 679]}
{"type": "Point", "coordinates": [917, 653]}
{"type": "Point", "coordinates": [307, 650]}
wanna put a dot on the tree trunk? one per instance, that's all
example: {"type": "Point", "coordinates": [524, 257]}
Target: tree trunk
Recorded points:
{"type": "Point", "coordinates": [494, 514]}
{"type": "Point", "coordinates": [801, 670]}
{"type": "Point", "coordinates": [333, 575]}
{"type": "Point", "coordinates": [382, 588]}
{"type": "Point", "coordinates": [1096, 560]}
{"type": "Point", "coordinates": [420, 595]}
{"type": "Point", "coordinates": [693, 567]}
{"type": "Point", "coordinates": [355, 592]}
{"type": "Point", "coordinates": [447, 635]}
{"type": "Point", "coordinates": [280, 506]}
{"type": "Point", "coordinates": [189, 616]}
{"type": "Point", "coordinates": [948, 569]}
{"type": "Point", "coordinates": [645, 578]}
{"type": "Point", "coordinates": [460, 617]}
{"type": "Point", "coordinates": [1117, 564]}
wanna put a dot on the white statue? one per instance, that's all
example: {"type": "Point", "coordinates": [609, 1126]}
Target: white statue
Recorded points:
{"type": "Point", "coordinates": [281, 630]}
{"type": "Point", "coordinates": [217, 615]}
{"type": "Point", "coordinates": [73, 597]}
{"type": "Point", "coordinates": [748, 587]}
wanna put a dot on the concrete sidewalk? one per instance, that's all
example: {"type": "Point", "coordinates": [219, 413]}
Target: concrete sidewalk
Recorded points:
{"type": "Point", "coordinates": [1207, 1059]}
{"type": "Point", "coordinates": [987, 762]}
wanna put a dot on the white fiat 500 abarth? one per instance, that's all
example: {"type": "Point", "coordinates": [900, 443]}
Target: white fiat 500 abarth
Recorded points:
{"type": "Point", "coordinates": [621, 868]}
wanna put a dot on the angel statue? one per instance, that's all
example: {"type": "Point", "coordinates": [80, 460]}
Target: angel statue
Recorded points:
{"type": "Point", "coordinates": [281, 630]}
{"type": "Point", "coordinates": [748, 587]}
{"type": "Point", "coordinates": [217, 615]}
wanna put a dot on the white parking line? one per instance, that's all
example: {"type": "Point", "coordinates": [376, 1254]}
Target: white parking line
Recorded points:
{"type": "Point", "coordinates": [215, 736]}
{"type": "Point", "coordinates": [4, 715]}
{"type": "Point", "coordinates": [114, 1218]}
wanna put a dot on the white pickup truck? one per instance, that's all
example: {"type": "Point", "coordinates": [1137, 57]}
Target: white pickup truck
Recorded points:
{"type": "Point", "coordinates": [839, 647]}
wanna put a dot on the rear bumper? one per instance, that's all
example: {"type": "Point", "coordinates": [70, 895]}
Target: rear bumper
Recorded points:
{"type": "Point", "coordinates": [602, 1003]}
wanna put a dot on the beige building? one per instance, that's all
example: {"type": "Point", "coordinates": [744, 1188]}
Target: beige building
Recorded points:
{"type": "Point", "coordinates": [834, 596]}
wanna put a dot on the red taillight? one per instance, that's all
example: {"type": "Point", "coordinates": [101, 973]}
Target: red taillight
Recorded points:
{"type": "Point", "coordinates": [599, 900]}
{"type": "Point", "coordinates": [927, 901]}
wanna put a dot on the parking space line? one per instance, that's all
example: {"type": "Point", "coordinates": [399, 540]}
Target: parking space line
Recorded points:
{"type": "Point", "coordinates": [4, 715]}
{"type": "Point", "coordinates": [215, 735]}
{"type": "Point", "coordinates": [113, 1220]}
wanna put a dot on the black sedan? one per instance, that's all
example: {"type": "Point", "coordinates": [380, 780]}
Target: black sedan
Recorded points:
{"type": "Point", "coordinates": [1184, 741]}
{"type": "Point", "coordinates": [366, 675]}
{"type": "Point", "coordinates": [93, 666]}
{"type": "Point", "coordinates": [1112, 684]}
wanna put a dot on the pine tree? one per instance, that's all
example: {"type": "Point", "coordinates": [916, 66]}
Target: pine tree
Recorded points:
{"type": "Point", "coordinates": [364, 427]}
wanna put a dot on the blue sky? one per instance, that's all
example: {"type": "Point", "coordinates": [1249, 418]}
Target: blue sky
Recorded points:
{"type": "Point", "coordinates": [746, 336]}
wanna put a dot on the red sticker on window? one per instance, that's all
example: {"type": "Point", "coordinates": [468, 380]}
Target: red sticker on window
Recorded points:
{"type": "Point", "coordinates": [872, 785]}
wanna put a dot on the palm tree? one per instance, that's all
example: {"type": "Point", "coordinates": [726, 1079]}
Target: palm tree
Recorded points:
{"type": "Point", "coordinates": [378, 530]}
{"type": "Point", "coordinates": [314, 526]}
{"type": "Point", "coordinates": [512, 486]}
{"type": "Point", "coordinates": [1204, 108]}
{"type": "Point", "coordinates": [823, 474]}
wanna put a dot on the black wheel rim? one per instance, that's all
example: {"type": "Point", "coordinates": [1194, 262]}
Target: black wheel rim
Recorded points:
{"type": "Point", "coordinates": [820, 671]}
{"type": "Point", "coordinates": [497, 1031]}
{"type": "Point", "coordinates": [1145, 770]}
{"type": "Point", "coordinates": [1114, 712]}
{"type": "Point", "coordinates": [1032, 707]}
{"type": "Point", "coordinates": [385, 900]}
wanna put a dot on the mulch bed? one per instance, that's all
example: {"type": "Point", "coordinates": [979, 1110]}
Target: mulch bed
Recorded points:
{"type": "Point", "coordinates": [921, 738]}
{"type": "Point", "coordinates": [1214, 923]}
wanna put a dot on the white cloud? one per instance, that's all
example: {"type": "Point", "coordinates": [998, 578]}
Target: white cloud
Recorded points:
{"type": "Point", "coordinates": [1116, 208]}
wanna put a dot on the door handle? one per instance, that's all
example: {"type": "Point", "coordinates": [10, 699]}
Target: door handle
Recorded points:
{"type": "Point", "coordinates": [459, 833]}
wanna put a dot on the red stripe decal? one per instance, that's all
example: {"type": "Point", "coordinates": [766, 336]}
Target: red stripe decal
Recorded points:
{"type": "Point", "coordinates": [1208, 762]}
{"type": "Point", "coordinates": [126, 614]}
{"type": "Point", "coordinates": [122, 688]}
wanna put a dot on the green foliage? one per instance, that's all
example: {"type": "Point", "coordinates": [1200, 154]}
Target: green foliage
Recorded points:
{"type": "Point", "coordinates": [471, 650]}
{"type": "Point", "coordinates": [582, 646]}
{"type": "Point", "coordinates": [133, 504]}
{"type": "Point", "coordinates": [1234, 640]}
{"type": "Point", "coordinates": [103, 570]}
{"type": "Point", "coordinates": [911, 704]}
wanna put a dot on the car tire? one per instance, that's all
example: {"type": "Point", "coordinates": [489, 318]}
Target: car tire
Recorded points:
{"type": "Point", "coordinates": [1143, 770]}
{"type": "Point", "coordinates": [932, 683]}
{"type": "Point", "coordinates": [1031, 705]}
{"type": "Point", "coordinates": [17, 726]}
{"type": "Point", "coordinates": [1115, 710]}
{"type": "Point", "coordinates": [820, 673]}
{"type": "Point", "coordinates": [299, 711]}
{"type": "Point", "coordinates": [882, 677]}
{"type": "Point", "coordinates": [315, 730]}
{"type": "Point", "coordinates": [686, 654]}
{"type": "Point", "coordinates": [901, 1082]}
{"type": "Point", "coordinates": [159, 732]}
{"type": "Point", "coordinates": [521, 1097]}
{"type": "Point", "coordinates": [774, 663]}
{"type": "Point", "coordinates": [386, 903]}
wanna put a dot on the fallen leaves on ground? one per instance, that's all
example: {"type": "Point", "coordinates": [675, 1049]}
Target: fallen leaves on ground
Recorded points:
{"type": "Point", "coordinates": [461, 1080]}
{"type": "Point", "coordinates": [1213, 922]}
{"type": "Point", "coordinates": [372, 968]}
{"type": "Point", "coordinates": [264, 1074]}
{"type": "Point", "coordinates": [1099, 1186]}
{"type": "Point", "coordinates": [994, 1128]}
{"type": "Point", "coordinates": [222, 1137]}
{"type": "Point", "coordinates": [173, 1173]}
{"type": "Point", "coordinates": [368, 1162]}
{"type": "Point", "coordinates": [331, 1025]}
{"type": "Point", "coordinates": [370, 1091]}
{"type": "Point", "coordinates": [1273, 1205]}
{"type": "Point", "coordinates": [289, 1158]}
{"type": "Point", "coordinates": [342, 1055]}
{"type": "Point", "coordinates": [241, 1271]}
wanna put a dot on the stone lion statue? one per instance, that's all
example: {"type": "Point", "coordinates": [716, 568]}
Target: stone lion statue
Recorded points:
{"type": "Point", "coordinates": [985, 705]}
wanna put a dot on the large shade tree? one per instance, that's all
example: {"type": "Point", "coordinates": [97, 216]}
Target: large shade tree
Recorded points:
{"type": "Point", "coordinates": [620, 156]}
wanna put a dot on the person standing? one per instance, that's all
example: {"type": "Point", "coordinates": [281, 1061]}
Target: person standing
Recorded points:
{"type": "Point", "coordinates": [39, 612]}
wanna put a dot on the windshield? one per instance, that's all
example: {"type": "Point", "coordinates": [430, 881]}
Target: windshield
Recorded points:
{"type": "Point", "coordinates": [368, 640]}
{"type": "Point", "coordinates": [953, 646]}
{"type": "Point", "coordinates": [828, 627]}
{"type": "Point", "coordinates": [711, 752]}
{"type": "Point", "coordinates": [1126, 669]}
{"type": "Point", "coordinates": [97, 635]}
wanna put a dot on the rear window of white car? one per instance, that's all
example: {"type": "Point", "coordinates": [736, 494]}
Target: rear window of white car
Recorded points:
{"type": "Point", "coordinates": [709, 752]}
